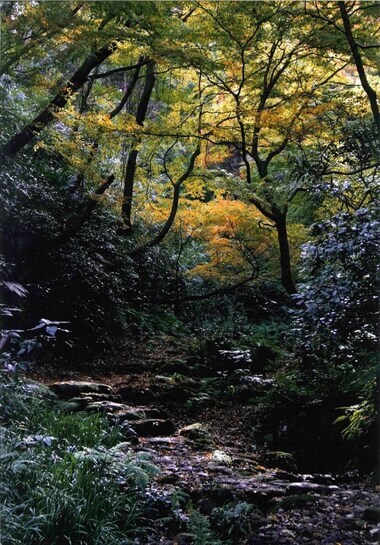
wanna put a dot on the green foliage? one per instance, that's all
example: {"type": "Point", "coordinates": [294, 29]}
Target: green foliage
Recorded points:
{"type": "Point", "coordinates": [85, 431]}
{"type": "Point", "coordinates": [337, 313]}
{"type": "Point", "coordinates": [67, 481]}
{"type": "Point", "coordinates": [200, 527]}
{"type": "Point", "coordinates": [337, 316]}
{"type": "Point", "coordinates": [269, 344]}
{"type": "Point", "coordinates": [233, 521]}
{"type": "Point", "coordinates": [90, 279]}
{"type": "Point", "coordinates": [70, 500]}
{"type": "Point", "coordinates": [360, 417]}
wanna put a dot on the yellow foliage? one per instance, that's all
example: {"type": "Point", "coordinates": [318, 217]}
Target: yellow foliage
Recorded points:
{"type": "Point", "coordinates": [231, 234]}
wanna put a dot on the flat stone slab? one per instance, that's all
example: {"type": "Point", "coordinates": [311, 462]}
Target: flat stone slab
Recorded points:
{"type": "Point", "coordinates": [76, 388]}
{"type": "Point", "coordinates": [305, 487]}
{"type": "Point", "coordinates": [106, 407]}
{"type": "Point", "coordinates": [133, 414]}
{"type": "Point", "coordinates": [95, 396]}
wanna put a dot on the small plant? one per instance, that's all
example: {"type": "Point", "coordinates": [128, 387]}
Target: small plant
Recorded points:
{"type": "Point", "coordinates": [233, 521]}
{"type": "Point", "coordinates": [358, 418]}
{"type": "Point", "coordinates": [200, 528]}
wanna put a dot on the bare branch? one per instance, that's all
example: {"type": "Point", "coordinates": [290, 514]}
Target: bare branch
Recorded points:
{"type": "Point", "coordinates": [83, 216]}
{"type": "Point", "coordinates": [169, 222]}
{"type": "Point", "coordinates": [141, 63]}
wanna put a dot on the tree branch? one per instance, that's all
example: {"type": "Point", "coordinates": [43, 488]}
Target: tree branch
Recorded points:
{"type": "Point", "coordinates": [79, 78]}
{"type": "Point", "coordinates": [128, 92]}
{"type": "Point", "coordinates": [83, 216]}
{"type": "Point", "coordinates": [214, 293]}
{"type": "Point", "coordinates": [173, 212]}
{"type": "Point", "coordinates": [350, 172]}
{"type": "Point", "coordinates": [141, 63]}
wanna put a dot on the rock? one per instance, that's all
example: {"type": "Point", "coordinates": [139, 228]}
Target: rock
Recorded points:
{"type": "Point", "coordinates": [81, 402]}
{"type": "Point", "coordinates": [297, 501]}
{"type": "Point", "coordinates": [131, 394]}
{"type": "Point", "coordinates": [221, 470]}
{"type": "Point", "coordinates": [372, 514]}
{"type": "Point", "coordinates": [94, 396]}
{"type": "Point", "coordinates": [263, 496]}
{"type": "Point", "coordinates": [168, 479]}
{"type": "Point", "coordinates": [305, 487]}
{"type": "Point", "coordinates": [68, 406]}
{"type": "Point", "coordinates": [375, 534]}
{"type": "Point", "coordinates": [319, 478]}
{"type": "Point", "coordinates": [139, 413]}
{"type": "Point", "coordinates": [153, 427]}
{"type": "Point", "coordinates": [285, 475]}
{"type": "Point", "coordinates": [216, 495]}
{"type": "Point", "coordinates": [196, 432]}
{"type": "Point", "coordinates": [257, 521]}
{"type": "Point", "coordinates": [105, 407]}
{"type": "Point", "coordinates": [74, 388]}
{"type": "Point", "coordinates": [221, 458]}
{"type": "Point", "coordinates": [183, 539]}
{"type": "Point", "coordinates": [87, 399]}
{"type": "Point", "coordinates": [280, 460]}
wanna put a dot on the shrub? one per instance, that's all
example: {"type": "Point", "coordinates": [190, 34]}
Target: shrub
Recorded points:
{"type": "Point", "coordinates": [66, 479]}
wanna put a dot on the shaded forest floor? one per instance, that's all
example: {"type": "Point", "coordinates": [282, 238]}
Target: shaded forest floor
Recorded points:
{"type": "Point", "coordinates": [211, 454]}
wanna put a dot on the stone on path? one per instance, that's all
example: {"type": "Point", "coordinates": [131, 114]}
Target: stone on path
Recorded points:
{"type": "Point", "coordinates": [153, 427]}
{"type": "Point", "coordinates": [76, 388]}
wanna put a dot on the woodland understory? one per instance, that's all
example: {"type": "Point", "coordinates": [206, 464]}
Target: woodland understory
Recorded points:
{"type": "Point", "coordinates": [190, 250]}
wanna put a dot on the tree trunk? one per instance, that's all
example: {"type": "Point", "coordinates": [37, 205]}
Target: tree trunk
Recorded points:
{"type": "Point", "coordinates": [129, 178]}
{"type": "Point", "coordinates": [285, 262]}
{"type": "Point", "coordinates": [128, 188]}
{"type": "Point", "coordinates": [371, 93]}
{"type": "Point", "coordinates": [17, 142]}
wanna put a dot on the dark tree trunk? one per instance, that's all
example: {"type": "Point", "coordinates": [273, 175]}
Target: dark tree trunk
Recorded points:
{"type": "Point", "coordinates": [285, 261]}
{"type": "Point", "coordinates": [17, 142]}
{"type": "Point", "coordinates": [128, 188]}
{"type": "Point", "coordinates": [371, 94]}
{"type": "Point", "coordinates": [129, 178]}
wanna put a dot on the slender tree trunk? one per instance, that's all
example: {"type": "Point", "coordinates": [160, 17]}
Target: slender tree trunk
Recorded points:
{"type": "Point", "coordinates": [129, 178]}
{"type": "Point", "coordinates": [371, 93]}
{"type": "Point", "coordinates": [285, 261]}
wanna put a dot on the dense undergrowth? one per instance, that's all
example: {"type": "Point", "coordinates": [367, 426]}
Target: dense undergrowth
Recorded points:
{"type": "Point", "coordinates": [66, 480]}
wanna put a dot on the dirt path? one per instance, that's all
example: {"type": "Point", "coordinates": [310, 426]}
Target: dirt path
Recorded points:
{"type": "Point", "coordinates": [209, 458]}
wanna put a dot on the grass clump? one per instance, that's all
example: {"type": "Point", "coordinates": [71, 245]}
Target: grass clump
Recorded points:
{"type": "Point", "coordinates": [65, 482]}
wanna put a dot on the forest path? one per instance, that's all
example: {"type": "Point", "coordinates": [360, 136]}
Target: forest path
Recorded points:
{"type": "Point", "coordinates": [207, 453]}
